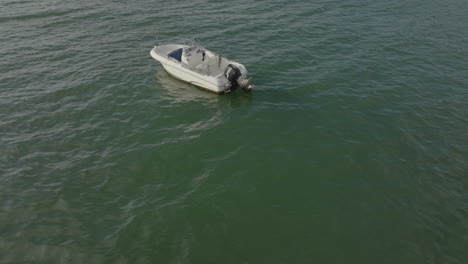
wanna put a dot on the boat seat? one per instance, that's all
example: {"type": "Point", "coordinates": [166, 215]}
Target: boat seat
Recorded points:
{"type": "Point", "coordinates": [176, 54]}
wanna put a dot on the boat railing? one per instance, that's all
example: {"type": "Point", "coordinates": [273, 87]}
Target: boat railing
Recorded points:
{"type": "Point", "coordinates": [157, 41]}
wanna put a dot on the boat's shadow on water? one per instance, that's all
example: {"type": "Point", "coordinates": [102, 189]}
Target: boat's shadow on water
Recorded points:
{"type": "Point", "coordinates": [178, 91]}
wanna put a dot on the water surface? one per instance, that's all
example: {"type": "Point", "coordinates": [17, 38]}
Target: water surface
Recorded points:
{"type": "Point", "coordinates": [352, 149]}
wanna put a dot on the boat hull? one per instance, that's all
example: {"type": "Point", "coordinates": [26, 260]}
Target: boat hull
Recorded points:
{"type": "Point", "coordinates": [177, 70]}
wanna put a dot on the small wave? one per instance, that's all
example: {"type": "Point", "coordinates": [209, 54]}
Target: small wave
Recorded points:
{"type": "Point", "coordinates": [38, 15]}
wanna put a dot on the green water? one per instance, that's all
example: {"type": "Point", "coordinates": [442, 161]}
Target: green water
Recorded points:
{"type": "Point", "coordinates": [353, 148]}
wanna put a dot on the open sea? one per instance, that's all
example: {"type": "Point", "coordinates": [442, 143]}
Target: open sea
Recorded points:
{"type": "Point", "coordinates": [353, 147]}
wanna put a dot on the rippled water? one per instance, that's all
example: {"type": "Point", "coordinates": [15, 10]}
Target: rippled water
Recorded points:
{"type": "Point", "coordinates": [352, 149]}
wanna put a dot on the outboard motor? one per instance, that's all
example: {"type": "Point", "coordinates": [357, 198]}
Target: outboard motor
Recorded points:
{"type": "Point", "coordinates": [232, 73]}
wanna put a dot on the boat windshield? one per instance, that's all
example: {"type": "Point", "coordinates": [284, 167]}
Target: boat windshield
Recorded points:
{"type": "Point", "coordinates": [176, 54]}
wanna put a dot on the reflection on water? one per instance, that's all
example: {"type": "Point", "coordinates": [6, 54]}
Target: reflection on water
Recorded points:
{"type": "Point", "coordinates": [180, 92]}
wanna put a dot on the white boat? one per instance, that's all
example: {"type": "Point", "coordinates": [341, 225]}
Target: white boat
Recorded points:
{"type": "Point", "coordinates": [201, 67]}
